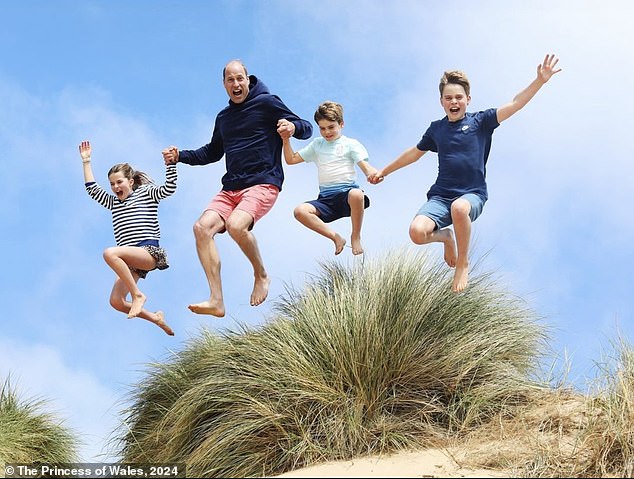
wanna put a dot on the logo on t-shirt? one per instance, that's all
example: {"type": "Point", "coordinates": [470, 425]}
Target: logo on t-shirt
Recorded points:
{"type": "Point", "coordinates": [465, 128]}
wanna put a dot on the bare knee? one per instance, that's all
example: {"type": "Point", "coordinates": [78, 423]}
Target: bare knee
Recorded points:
{"type": "Point", "coordinates": [236, 230]}
{"type": "Point", "coordinates": [302, 211]}
{"type": "Point", "coordinates": [418, 235]}
{"type": "Point", "coordinates": [109, 254]}
{"type": "Point", "coordinates": [355, 195]}
{"type": "Point", "coordinates": [460, 209]}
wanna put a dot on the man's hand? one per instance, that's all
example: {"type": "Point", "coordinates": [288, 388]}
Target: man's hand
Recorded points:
{"type": "Point", "coordinates": [285, 128]}
{"type": "Point", "coordinates": [170, 155]}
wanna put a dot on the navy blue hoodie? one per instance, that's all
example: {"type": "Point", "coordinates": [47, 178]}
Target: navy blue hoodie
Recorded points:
{"type": "Point", "coordinates": [246, 133]}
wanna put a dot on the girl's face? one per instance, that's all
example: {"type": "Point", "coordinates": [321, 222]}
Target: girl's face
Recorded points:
{"type": "Point", "coordinates": [120, 185]}
{"type": "Point", "coordinates": [454, 101]}
{"type": "Point", "coordinates": [330, 130]}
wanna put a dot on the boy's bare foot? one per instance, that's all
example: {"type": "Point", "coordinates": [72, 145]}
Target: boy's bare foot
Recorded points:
{"type": "Point", "coordinates": [460, 279]}
{"type": "Point", "coordinates": [213, 308]}
{"type": "Point", "coordinates": [160, 322]}
{"type": "Point", "coordinates": [260, 290]}
{"type": "Point", "coordinates": [340, 242]}
{"type": "Point", "coordinates": [356, 246]}
{"type": "Point", "coordinates": [450, 246]}
{"type": "Point", "coordinates": [137, 305]}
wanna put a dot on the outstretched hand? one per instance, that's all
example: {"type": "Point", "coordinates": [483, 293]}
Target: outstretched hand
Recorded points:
{"type": "Point", "coordinates": [85, 150]}
{"type": "Point", "coordinates": [547, 69]}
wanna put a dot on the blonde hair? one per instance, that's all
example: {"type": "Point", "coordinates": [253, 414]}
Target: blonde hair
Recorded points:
{"type": "Point", "coordinates": [130, 173]}
{"type": "Point", "coordinates": [456, 77]}
{"type": "Point", "coordinates": [329, 110]}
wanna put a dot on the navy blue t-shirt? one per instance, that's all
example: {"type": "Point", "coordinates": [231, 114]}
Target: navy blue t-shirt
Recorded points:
{"type": "Point", "coordinates": [463, 149]}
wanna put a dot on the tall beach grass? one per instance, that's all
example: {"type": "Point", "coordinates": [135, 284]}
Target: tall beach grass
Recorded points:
{"type": "Point", "coordinates": [367, 358]}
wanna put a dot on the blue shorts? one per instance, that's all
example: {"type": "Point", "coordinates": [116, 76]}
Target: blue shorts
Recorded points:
{"type": "Point", "coordinates": [439, 209]}
{"type": "Point", "coordinates": [333, 206]}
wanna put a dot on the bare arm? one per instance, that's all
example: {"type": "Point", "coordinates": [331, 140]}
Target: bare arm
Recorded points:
{"type": "Point", "coordinates": [85, 150]}
{"type": "Point", "coordinates": [291, 157]}
{"type": "Point", "coordinates": [408, 157]}
{"type": "Point", "coordinates": [544, 72]}
{"type": "Point", "coordinates": [367, 169]}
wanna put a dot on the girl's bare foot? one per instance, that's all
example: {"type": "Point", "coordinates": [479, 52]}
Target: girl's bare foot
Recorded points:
{"type": "Point", "coordinates": [260, 290]}
{"type": "Point", "coordinates": [160, 322]}
{"type": "Point", "coordinates": [340, 242]}
{"type": "Point", "coordinates": [137, 305]}
{"type": "Point", "coordinates": [213, 308]}
{"type": "Point", "coordinates": [356, 246]}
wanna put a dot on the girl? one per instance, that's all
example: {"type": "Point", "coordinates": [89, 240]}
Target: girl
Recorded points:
{"type": "Point", "coordinates": [134, 208]}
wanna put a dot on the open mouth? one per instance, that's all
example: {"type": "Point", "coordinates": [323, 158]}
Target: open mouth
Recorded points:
{"type": "Point", "coordinates": [454, 109]}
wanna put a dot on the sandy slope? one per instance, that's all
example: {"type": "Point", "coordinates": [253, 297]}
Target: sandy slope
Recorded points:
{"type": "Point", "coordinates": [427, 463]}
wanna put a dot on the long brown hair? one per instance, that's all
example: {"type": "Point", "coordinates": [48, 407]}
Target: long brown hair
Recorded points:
{"type": "Point", "coordinates": [130, 173]}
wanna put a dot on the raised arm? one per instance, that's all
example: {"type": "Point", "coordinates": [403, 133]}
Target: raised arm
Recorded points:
{"type": "Point", "coordinates": [85, 150]}
{"type": "Point", "coordinates": [544, 72]}
{"type": "Point", "coordinates": [408, 157]}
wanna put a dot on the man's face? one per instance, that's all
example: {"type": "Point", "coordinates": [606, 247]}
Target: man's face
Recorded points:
{"type": "Point", "coordinates": [454, 101]}
{"type": "Point", "coordinates": [236, 82]}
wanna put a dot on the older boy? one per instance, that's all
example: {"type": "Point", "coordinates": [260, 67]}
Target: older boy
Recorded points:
{"type": "Point", "coordinates": [462, 141]}
{"type": "Point", "coordinates": [339, 194]}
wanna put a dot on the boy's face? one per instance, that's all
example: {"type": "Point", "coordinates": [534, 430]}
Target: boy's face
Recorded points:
{"type": "Point", "coordinates": [330, 130]}
{"type": "Point", "coordinates": [454, 101]}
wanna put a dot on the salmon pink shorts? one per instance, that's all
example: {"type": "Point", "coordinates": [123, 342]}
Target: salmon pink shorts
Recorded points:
{"type": "Point", "coordinates": [256, 200]}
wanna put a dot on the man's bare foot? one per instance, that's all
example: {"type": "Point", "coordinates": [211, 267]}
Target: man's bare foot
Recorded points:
{"type": "Point", "coordinates": [213, 308]}
{"type": "Point", "coordinates": [160, 322]}
{"type": "Point", "coordinates": [460, 279]}
{"type": "Point", "coordinates": [450, 247]}
{"type": "Point", "coordinates": [340, 242]}
{"type": "Point", "coordinates": [137, 305]}
{"type": "Point", "coordinates": [356, 246]}
{"type": "Point", "coordinates": [260, 290]}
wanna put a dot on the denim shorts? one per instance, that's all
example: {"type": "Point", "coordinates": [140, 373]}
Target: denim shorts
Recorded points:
{"type": "Point", "coordinates": [439, 209]}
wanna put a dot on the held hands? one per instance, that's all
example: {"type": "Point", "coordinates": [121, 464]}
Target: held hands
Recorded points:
{"type": "Point", "coordinates": [170, 155]}
{"type": "Point", "coordinates": [85, 150]}
{"type": "Point", "coordinates": [376, 177]}
{"type": "Point", "coordinates": [285, 128]}
{"type": "Point", "coordinates": [547, 69]}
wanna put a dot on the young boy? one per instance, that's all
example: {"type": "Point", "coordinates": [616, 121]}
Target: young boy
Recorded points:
{"type": "Point", "coordinates": [339, 194]}
{"type": "Point", "coordinates": [462, 141]}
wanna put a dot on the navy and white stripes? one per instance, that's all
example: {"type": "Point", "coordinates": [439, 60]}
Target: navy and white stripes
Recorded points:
{"type": "Point", "coordinates": [135, 219]}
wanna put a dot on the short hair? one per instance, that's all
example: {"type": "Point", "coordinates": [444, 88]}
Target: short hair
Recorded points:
{"type": "Point", "coordinates": [329, 110]}
{"type": "Point", "coordinates": [224, 69]}
{"type": "Point", "coordinates": [456, 77]}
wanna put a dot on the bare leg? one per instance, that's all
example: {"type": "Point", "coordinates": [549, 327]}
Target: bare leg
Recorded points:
{"type": "Point", "coordinates": [120, 258]}
{"type": "Point", "coordinates": [205, 230]}
{"type": "Point", "coordinates": [119, 302]}
{"type": "Point", "coordinates": [421, 231]}
{"type": "Point", "coordinates": [462, 227]}
{"type": "Point", "coordinates": [356, 198]}
{"type": "Point", "coordinates": [238, 225]}
{"type": "Point", "coordinates": [308, 215]}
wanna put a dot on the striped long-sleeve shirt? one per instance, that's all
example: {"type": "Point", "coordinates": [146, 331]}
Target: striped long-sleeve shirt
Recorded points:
{"type": "Point", "coordinates": [135, 219]}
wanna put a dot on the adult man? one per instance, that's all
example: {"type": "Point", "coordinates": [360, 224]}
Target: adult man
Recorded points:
{"type": "Point", "coordinates": [247, 134]}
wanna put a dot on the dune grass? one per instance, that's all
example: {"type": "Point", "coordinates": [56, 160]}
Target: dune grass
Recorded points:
{"type": "Point", "coordinates": [29, 434]}
{"type": "Point", "coordinates": [362, 359]}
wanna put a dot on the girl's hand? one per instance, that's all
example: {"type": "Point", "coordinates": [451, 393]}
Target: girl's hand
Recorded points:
{"type": "Point", "coordinates": [85, 150]}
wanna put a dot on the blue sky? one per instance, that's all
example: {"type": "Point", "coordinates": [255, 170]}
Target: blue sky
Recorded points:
{"type": "Point", "coordinates": [136, 76]}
